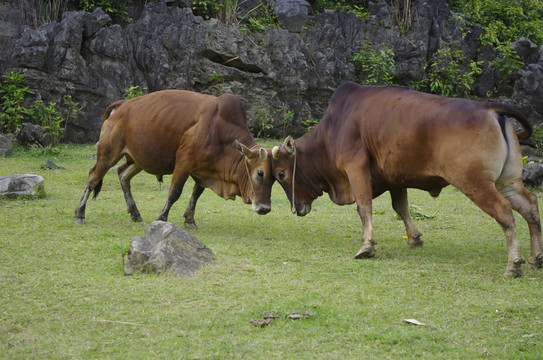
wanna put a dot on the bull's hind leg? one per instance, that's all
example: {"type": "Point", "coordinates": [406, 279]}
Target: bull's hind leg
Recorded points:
{"type": "Point", "coordinates": [525, 203]}
{"type": "Point", "coordinates": [401, 206]}
{"type": "Point", "coordinates": [189, 213]}
{"type": "Point", "coordinates": [94, 183]}
{"type": "Point", "coordinates": [493, 203]}
{"type": "Point", "coordinates": [126, 172]}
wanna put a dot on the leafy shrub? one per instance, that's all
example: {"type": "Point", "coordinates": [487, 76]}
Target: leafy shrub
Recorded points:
{"type": "Point", "coordinates": [445, 75]}
{"type": "Point", "coordinates": [263, 124]}
{"type": "Point", "coordinates": [504, 21]}
{"type": "Point", "coordinates": [344, 5]}
{"type": "Point", "coordinates": [13, 93]}
{"type": "Point", "coordinates": [373, 67]}
{"type": "Point", "coordinates": [260, 17]}
{"type": "Point", "coordinates": [133, 92]}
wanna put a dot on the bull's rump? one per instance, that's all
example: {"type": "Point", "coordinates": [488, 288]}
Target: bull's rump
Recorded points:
{"type": "Point", "coordinates": [155, 129]}
{"type": "Point", "coordinates": [418, 140]}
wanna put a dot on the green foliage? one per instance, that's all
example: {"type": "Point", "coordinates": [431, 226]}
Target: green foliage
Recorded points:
{"type": "Point", "coordinates": [344, 5]}
{"type": "Point", "coordinates": [260, 17]}
{"type": "Point", "coordinates": [508, 63]}
{"type": "Point", "coordinates": [504, 21]}
{"type": "Point", "coordinates": [47, 116]}
{"type": "Point", "coordinates": [117, 9]}
{"type": "Point", "coordinates": [206, 8]}
{"type": "Point", "coordinates": [216, 77]}
{"type": "Point", "coordinates": [445, 75]}
{"type": "Point", "coordinates": [13, 92]}
{"type": "Point", "coordinates": [133, 92]}
{"type": "Point", "coordinates": [373, 67]}
{"type": "Point", "coordinates": [309, 124]}
{"type": "Point", "coordinates": [263, 124]}
{"type": "Point", "coordinates": [50, 10]}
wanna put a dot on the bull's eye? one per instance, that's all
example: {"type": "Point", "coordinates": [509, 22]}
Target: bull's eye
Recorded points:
{"type": "Point", "coordinates": [260, 173]}
{"type": "Point", "coordinates": [281, 175]}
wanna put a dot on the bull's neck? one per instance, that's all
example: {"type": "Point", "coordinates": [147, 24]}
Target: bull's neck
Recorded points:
{"type": "Point", "coordinates": [313, 161]}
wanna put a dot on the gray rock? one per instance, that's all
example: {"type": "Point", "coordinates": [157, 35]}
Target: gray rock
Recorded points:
{"type": "Point", "coordinates": [532, 174]}
{"type": "Point", "coordinates": [165, 246]}
{"type": "Point", "coordinates": [292, 14]}
{"type": "Point", "coordinates": [17, 185]}
{"type": "Point", "coordinates": [6, 146]}
{"type": "Point", "coordinates": [33, 135]}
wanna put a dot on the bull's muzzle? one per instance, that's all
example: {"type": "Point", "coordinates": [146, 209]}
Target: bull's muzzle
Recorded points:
{"type": "Point", "coordinates": [261, 209]}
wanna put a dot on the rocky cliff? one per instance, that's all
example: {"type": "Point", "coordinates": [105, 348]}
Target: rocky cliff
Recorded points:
{"type": "Point", "coordinates": [276, 73]}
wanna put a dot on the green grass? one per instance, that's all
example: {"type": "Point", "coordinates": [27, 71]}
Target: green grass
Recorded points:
{"type": "Point", "coordinates": [63, 294]}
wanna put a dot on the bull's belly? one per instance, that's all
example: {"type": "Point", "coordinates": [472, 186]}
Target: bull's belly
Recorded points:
{"type": "Point", "coordinates": [432, 184]}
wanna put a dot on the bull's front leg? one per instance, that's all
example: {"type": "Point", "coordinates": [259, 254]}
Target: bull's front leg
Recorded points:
{"type": "Point", "coordinates": [367, 250]}
{"type": "Point", "coordinates": [189, 213]}
{"type": "Point", "coordinates": [360, 181]}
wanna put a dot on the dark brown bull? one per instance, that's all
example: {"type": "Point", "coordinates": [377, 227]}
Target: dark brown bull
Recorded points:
{"type": "Point", "coordinates": [377, 139]}
{"type": "Point", "coordinates": [185, 134]}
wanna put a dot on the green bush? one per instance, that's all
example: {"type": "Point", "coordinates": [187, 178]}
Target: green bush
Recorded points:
{"type": "Point", "coordinates": [504, 21]}
{"type": "Point", "coordinates": [133, 92]}
{"type": "Point", "coordinates": [373, 67]}
{"type": "Point", "coordinates": [445, 75]}
{"type": "Point", "coordinates": [13, 93]}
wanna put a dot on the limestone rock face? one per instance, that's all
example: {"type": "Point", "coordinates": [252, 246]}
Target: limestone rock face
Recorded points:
{"type": "Point", "coordinates": [280, 75]}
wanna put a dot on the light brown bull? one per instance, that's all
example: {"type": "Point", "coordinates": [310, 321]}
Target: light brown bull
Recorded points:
{"type": "Point", "coordinates": [185, 134]}
{"type": "Point", "coordinates": [377, 139]}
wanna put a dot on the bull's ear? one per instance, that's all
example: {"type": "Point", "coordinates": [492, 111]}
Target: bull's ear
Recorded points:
{"type": "Point", "coordinates": [289, 145]}
{"type": "Point", "coordinates": [263, 154]}
{"type": "Point", "coordinates": [243, 149]}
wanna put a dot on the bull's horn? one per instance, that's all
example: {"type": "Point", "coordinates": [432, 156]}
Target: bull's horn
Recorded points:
{"type": "Point", "coordinates": [275, 152]}
{"type": "Point", "coordinates": [263, 154]}
{"type": "Point", "coordinates": [289, 145]}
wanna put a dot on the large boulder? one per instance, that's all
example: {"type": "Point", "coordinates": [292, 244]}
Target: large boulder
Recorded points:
{"type": "Point", "coordinates": [19, 185]}
{"type": "Point", "coordinates": [165, 246]}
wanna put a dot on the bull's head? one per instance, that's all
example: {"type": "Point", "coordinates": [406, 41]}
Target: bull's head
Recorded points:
{"type": "Point", "coordinates": [260, 179]}
{"type": "Point", "coordinates": [284, 165]}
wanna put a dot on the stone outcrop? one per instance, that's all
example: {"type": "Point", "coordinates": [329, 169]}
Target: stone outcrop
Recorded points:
{"type": "Point", "coordinates": [275, 73]}
{"type": "Point", "coordinates": [165, 246]}
{"type": "Point", "coordinates": [21, 185]}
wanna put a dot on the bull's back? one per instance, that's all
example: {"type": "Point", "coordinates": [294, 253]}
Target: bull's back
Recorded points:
{"type": "Point", "coordinates": [153, 128]}
{"type": "Point", "coordinates": [415, 139]}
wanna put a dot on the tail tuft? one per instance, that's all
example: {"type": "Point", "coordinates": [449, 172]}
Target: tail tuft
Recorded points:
{"type": "Point", "coordinates": [97, 189]}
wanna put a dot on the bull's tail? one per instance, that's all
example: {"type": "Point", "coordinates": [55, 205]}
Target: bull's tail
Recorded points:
{"type": "Point", "coordinates": [501, 109]}
{"type": "Point", "coordinates": [111, 108]}
{"type": "Point", "coordinates": [97, 189]}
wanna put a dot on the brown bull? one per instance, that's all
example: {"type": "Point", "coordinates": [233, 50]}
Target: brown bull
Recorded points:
{"type": "Point", "coordinates": [377, 139]}
{"type": "Point", "coordinates": [185, 134]}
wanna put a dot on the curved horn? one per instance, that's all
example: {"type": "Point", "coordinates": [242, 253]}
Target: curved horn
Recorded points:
{"type": "Point", "coordinates": [275, 152]}
{"type": "Point", "coordinates": [263, 154]}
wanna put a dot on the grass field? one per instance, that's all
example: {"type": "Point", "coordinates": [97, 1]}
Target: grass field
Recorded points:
{"type": "Point", "coordinates": [63, 294]}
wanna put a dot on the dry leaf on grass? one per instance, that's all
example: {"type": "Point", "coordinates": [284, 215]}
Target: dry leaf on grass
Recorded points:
{"type": "Point", "coordinates": [414, 322]}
